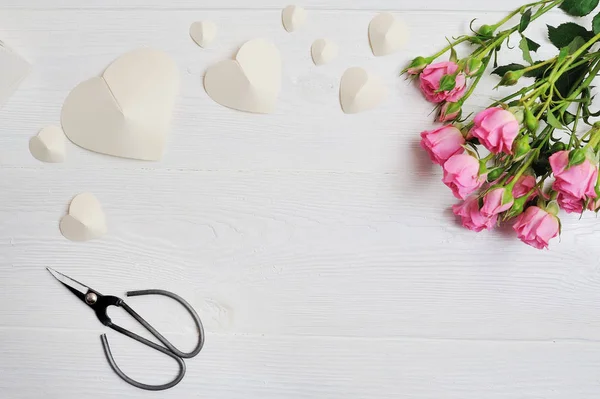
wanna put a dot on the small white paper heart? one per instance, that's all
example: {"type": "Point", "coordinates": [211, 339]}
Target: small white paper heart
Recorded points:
{"type": "Point", "coordinates": [360, 91]}
{"type": "Point", "coordinates": [386, 34]}
{"type": "Point", "coordinates": [127, 111]}
{"type": "Point", "coordinates": [323, 51]}
{"type": "Point", "coordinates": [203, 32]}
{"type": "Point", "coordinates": [249, 83]}
{"type": "Point", "coordinates": [85, 219]}
{"type": "Point", "coordinates": [293, 17]}
{"type": "Point", "coordinates": [48, 145]}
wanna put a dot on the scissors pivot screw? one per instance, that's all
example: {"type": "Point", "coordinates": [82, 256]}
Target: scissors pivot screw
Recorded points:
{"type": "Point", "coordinates": [91, 298]}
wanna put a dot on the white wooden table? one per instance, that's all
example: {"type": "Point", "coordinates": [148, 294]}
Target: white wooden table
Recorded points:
{"type": "Point", "coordinates": [317, 247]}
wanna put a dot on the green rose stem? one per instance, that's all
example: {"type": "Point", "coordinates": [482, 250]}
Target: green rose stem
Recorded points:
{"type": "Point", "coordinates": [503, 35]}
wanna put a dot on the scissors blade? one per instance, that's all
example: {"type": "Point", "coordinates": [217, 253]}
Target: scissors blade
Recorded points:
{"type": "Point", "coordinates": [72, 285]}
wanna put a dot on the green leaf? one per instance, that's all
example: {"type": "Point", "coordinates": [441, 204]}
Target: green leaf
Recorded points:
{"type": "Point", "coordinates": [596, 24]}
{"type": "Point", "coordinates": [579, 8]}
{"type": "Point", "coordinates": [533, 46]}
{"type": "Point", "coordinates": [570, 79]}
{"type": "Point", "coordinates": [552, 121]}
{"type": "Point", "coordinates": [525, 49]}
{"type": "Point", "coordinates": [447, 83]}
{"type": "Point", "coordinates": [525, 20]}
{"type": "Point", "coordinates": [576, 44]}
{"type": "Point", "coordinates": [564, 34]}
{"type": "Point", "coordinates": [501, 71]}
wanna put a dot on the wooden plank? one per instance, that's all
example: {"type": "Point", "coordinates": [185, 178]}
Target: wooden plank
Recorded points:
{"type": "Point", "coordinates": [305, 253]}
{"type": "Point", "coordinates": [67, 364]}
{"type": "Point", "coordinates": [399, 5]}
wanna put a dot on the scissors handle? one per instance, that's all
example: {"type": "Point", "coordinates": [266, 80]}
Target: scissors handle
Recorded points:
{"type": "Point", "coordinates": [168, 350]}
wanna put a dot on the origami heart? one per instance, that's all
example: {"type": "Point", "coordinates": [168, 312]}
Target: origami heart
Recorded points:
{"type": "Point", "coordinates": [203, 32]}
{"type": "Point", "coordinates": [360, 91]}
{"type": "Point", "coordinates": [293, 17]}
{"type": "Point", "coordinates": [127, 111]}
{"type": "Point", "coordinates": [85, 219]}
{"type": "Point", "coordinates": [48, 145]}
{"type": "Point", "coordinates": [323, 51]}
{"type": "Point", "coordinates": [249, 83]}
{"type": "Point", "coordinates": [386, 34]}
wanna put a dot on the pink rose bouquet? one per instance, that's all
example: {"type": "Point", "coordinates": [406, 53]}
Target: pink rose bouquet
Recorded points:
{"type": "Point", "coordinates": [522, 158]}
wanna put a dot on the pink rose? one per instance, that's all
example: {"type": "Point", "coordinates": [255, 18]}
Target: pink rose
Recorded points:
{"type": "Point", "coordinates": [430, 82]}
{"type": "Point", "coordinates": [578, 181]}
{"type": "Point", "coordinates": [523, 186]}
{"type": "Point", "coordinates": [471, 216]}
{"type": "Point", "coordinates": [495, 202]}
{"type": "Point", "coordinates": [461, 174]}
{"type": "Point", "coordinates": [536, 227]}
{"type": "Point", "coordinates": [570, 204]}
{"type": "Point", "coordinates": [442, 143]}
{"type": "Point", "coordinates": [496, 129]}
{"type": "Point", "coordinates": [449, 112]}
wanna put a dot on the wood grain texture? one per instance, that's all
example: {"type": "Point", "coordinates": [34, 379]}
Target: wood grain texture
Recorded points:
{"type": "Point", "coordinates": [400, 5]}
{"type": "Point", "coordinates": [317, 247]}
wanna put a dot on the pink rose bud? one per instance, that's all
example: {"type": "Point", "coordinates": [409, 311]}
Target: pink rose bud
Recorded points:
{"type": "Point", "coordinates": [536, 227]}
{"type": "Point", "coordinates": [449, 112]}
{"type": "Point", "coordinates": [496, 129]}
{"type": "Point", "coordinates": [594, 206]}
{"type": "Point", "coordinates": [417, 66]}
{"type": "Point", "coordinates": [471, 216]}
{"type": "Point", "coordinates": [523, 186]}
{"type": "Point", "coordinates": [497, 201]}
{"type": "Point", "coordinates": [442, 143]}
{"type": "Point", "coordinates": [461, 174]}
{"type": "Point", "coordinates": [473, 66]}
{"type": "Point", "coordinates": [577, 181]}
{"type": "Point", "coordinates": [431, 78]}
{"type": "Point", "coordinates": [570, 204]}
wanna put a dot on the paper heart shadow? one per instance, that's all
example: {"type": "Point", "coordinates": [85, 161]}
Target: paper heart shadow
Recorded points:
{"type": "Point", "coordinates": [127, 111]}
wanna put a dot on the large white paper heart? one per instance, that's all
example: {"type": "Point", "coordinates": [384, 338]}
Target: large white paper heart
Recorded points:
{"type": "Point", "coordinates": [127, 111]}
{"type": "Point", "coordinates": [360, 91]}
{"type": "Point", "coordinates": [249, 83]}
{"type": "Point", "coordinates": [387, 34]}
{"type": "Point", "coordinates": [85, 219]}
{"type": "Point", "coordinates": [48, 145]}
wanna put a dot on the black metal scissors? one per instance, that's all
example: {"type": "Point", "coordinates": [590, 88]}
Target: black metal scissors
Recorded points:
{"type": "Point", "coordinates": [100, 303]}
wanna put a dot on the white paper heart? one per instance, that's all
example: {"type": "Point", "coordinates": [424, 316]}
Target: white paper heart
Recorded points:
{"type": "Point", "coordinates": [386, 34]}
{"type": "Point", "coordinates": [249, 83]}
{"type": "Point", "coordinates": [127, 111]}
{"type": "Point", "coordinates": [13, 69]}
{"type": "Point", "coordinates": [48, 145]}
{"type": "Point", "coordinates": [203, 32]}
{"type": "Point", "coordinates": [323, 51]}
{"type": "Point", "coordinates": [360, 91]}
{"type": "Point", "coordinates": [85, 219]}
{"type": "Point", "coordinates": [293, 17]}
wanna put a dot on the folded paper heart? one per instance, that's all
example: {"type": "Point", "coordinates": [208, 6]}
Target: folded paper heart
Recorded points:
{"type": "Point", "coordinates": [386, 34]}
{"type": "Point", "coordinates": [360, 91]}
{"type": "Point", "coordinates": [323, 51]}
{"type": "Point", "coordinates": [251, 82]}
{"type": "Point", "coordinates": [203, 32]}
{"type": "Point", "coordinates": [85, 219]}
{"type": "Point", "coordinates": [293, 17]}
{"type": "Point", "coordinates": [127, 111]}
{"type": "Point", "coordinates": [48, 145]}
